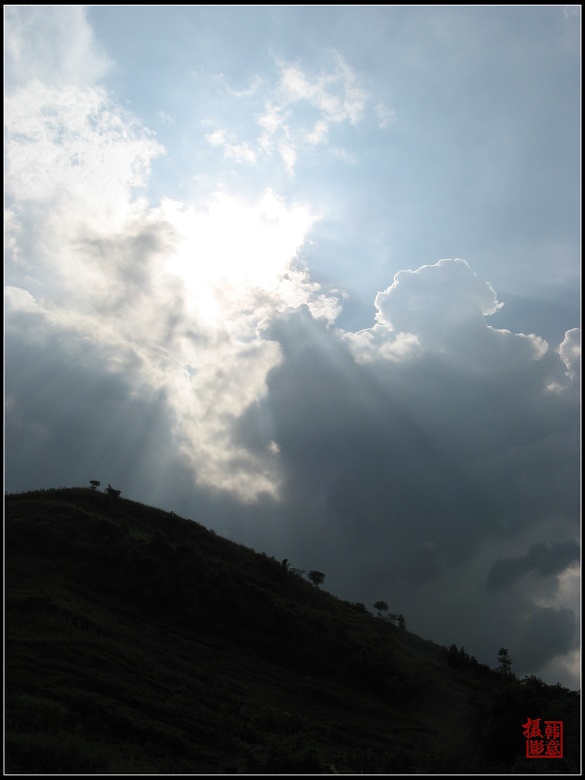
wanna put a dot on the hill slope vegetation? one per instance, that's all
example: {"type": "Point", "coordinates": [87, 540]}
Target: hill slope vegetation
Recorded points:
{"type": "Point", "coordinates": [140, 642]}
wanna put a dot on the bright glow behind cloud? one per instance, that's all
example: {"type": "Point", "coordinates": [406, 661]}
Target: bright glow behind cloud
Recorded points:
{"type": "Point", "coordinates": [233, 244]}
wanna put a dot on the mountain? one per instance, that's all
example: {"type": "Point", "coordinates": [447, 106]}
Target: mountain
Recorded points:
{"type": "Point", "coordinates": [140, 642]}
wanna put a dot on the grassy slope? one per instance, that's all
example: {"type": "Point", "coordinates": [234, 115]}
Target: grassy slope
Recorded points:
{"type": "Point", "coordinates": [140, 642]}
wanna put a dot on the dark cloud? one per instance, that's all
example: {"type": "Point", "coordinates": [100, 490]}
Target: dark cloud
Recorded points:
{"type": "Point", "coordinates": [70, 420]}
{"type": "Point", "coordinates": [400, 473]}
{"type": "Point", "coordinates": [544, 634]}
{"type": "Point", "coordinates": [544, 560]}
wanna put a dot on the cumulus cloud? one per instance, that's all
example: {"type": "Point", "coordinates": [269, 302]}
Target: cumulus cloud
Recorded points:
{"type": "Point", "coordinates": [442, 308]}
{"type": "Point", "coordinates": [570, 352]}
{"type": "Point", "coordinates": [464, 298]}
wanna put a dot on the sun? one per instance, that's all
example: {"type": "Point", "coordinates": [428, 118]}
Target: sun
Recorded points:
{"type": "Point", "coordinates": [234, 247]}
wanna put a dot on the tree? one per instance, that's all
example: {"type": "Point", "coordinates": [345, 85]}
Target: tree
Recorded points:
{"type": "Point", "coordinates": [505, 662]}
{"type": "Point", "coordinates": [453, 657]}
{"type": "Point", "coordinates": [112, 491]}
{"type": "Point", "coordinates": [381, 606]}
{"type": "Point", "coordinates": [401, 623]}
{"type": "Point", "coordinates": [94, 483]}
{"type": "Point", "coordinates": [316, 577]}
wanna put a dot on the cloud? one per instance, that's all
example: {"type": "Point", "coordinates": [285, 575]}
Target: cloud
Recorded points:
{"type": "Point", "coordinates": [165, 294]}
{"type": "Point", "coordinates": [442, 308]}
{"type": "Point", "coordinates": [464, 299]}
{"type": "Point", "coordinates": [52, 44]}
{"type": "Point", "coordinates": [386, 116]}
{"type": "Point", "coordinates": [425, 451]}
{"type": "Point", "coordinates": [412, 427]}
{"type": "Point", "coordinates": [217, 138]}
{"type": "Point", "coordinates": [73, 145]}
{"type": "Point", "coordinates": [175, 302]}
{"type": "Point", "coordinates": [333, 93]}
{"type": "Point", "coordinates": [242, 152]}
{"type": "Point", "coordinates": [288, 154]}
{"type": "Point", "coordinates": [297, 111]}
{"type": "Point", "coordinates": [544, 560]}
{"type": "Point", "coordinates": [545, 634]}
{"type": "Point", "coordinates": [570, 352]}
{"type": "Point", "coordinates": [256, 83]}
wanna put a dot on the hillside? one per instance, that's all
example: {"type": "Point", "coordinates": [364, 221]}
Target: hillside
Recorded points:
{"type": "Point", "coordinates": [140, 642]}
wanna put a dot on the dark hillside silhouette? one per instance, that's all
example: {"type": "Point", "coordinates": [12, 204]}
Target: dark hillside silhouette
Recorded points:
{"type": "Point", "coordinates": [140, 642]}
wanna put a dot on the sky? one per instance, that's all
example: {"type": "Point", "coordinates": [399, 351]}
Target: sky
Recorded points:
{"type": "Point", "coordinates": [310, 276]}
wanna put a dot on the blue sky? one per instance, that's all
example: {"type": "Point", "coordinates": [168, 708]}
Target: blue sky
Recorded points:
{"type": "Point", "coordinates": [311, 277]}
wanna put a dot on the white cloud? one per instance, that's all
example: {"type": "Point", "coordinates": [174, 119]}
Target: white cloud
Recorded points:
{"type": "Point", "coordinates": [217, 138]}
{"type": "Point", "coordinates": [272, 119]}
{"type": "Point", "coordinates": [386, 117]}
{"type": "Point", "coordinates": [443, 307]}
{"type": "Point", "coordinates": [52, 44]}
{"type": "Point", "coordinates": [71, 144]}
{"type": "Point", "coordinates": [319, 133]}
{"type": "Point", "coordinates": [255, 84]}
{"type": "Point", "coordinates": [333, 93]}
{"type": "Point", "coordinates": [174, 289]}
{"type": "Point", "coordinates": [19, 300]}
{"type": "Point", "coordinates": [12, 231]}
{"type": "Point", "coordinates": [242, 152]}
{"type": "Point", "coordinates": [288, 153]}
{"type": "Point", "coordinates": [570, 352]}
{"type": "Point", "coordinates": [458, 295]}
{"type": "Point", "coordinates": [155, 289]}
{"type": "Point", "coordinates": [331, 96]}
{"type": "Point", "coordinates": [381, 342]}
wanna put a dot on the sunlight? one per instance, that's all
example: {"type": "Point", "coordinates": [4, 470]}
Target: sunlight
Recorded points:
{"type": "Point", "coordinates": [233, 247]}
